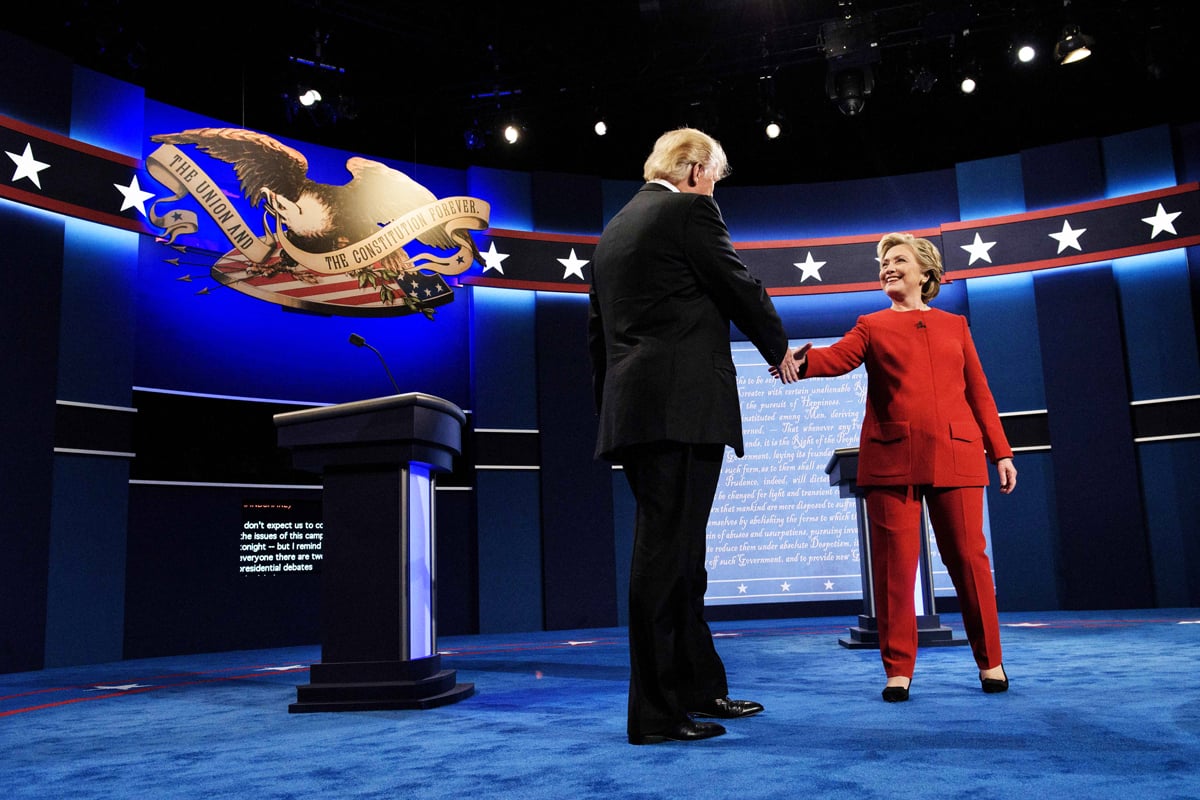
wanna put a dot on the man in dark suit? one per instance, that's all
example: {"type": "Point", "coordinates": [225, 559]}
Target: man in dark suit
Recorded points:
{"type": "Point", "coordinates": [666, 284]}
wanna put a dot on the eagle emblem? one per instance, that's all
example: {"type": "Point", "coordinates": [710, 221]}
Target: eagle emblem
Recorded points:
{"type": "Point", "coordinates": [319, 236]}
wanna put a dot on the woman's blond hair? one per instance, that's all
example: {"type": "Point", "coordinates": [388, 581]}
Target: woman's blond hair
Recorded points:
{"type": "Point", "coordinates": [676, 151]}
{"type": "Point", "coordinates": [928, 259]}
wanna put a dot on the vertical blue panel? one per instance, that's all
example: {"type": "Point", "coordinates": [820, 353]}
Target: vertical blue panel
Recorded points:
{"type": "Point", "coordinates": [108, 113]}
{"type": "Point", "coordinates": [1160, 325]}
{"type": "Point", "coordinates": [32, 254]}
{"type": "Point", "coordinates": [1187, 138]}
{"type": "Point", "coordinates": [37, 84]}
{"type": "Point", "coordinates": [510, 552]}
{"type": "Point", "coordinates": [615, 194]}
{"type": "Point", "coordinates": [1062, 174]}
{"type": "Point", "coordinates": [1140, 161]}
{"type": "Point", "coordinates": [1170, 473]}
{"type": "Point", "coordinates": [457, 562]}
{"type": "Point", "coordinates": [1024, 537]}
{"type": "Point", "coordinates": [570, 204]}
{"type": "Point", "coordinates": [577, 515]}
{"type": "Point", "coordinates": [1103, 546]}
{"type": "Point", "coordinates": [504, 359]}
{"type": "Point", "coordinates": [97, 343]}
{"type": "Point", "coordinates": [85, 615]}
{"type": "Point", "coordinates": [509, 193]}
{"type": "Point", "coordinates": [1004, 326]}
{"type": "Point", "coordinates": [990, 187]}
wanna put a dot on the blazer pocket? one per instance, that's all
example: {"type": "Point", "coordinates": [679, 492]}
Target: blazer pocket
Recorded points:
{"type": "Point", "coordinates": [966, 440]}
{"type": "Point", "coordinates": [890, 447]}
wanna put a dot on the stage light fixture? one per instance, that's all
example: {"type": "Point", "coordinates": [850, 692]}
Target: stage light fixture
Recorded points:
{"type": "Point", "coordinates": [1073, 46]}
{"type": "Point", "coordinates": [773, 130]}
{"type": "Point", "coordinates": [849, 88]}
{"type": "Point", "coordinates": [512, 133]}
{"type": "Point", "coordinates": [968, 85]}
{"type": "Point", "coordinates": [1026, 53]}
{"type": "Point", "coordinates": [309, 98]}
{"type": "Point", "coordinates": [601, 127]}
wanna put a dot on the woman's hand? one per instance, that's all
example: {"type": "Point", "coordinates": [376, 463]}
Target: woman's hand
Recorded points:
{"type": "Point", "coordinates": [793, 363]}
{"type": "Point", "coordinates": [1008, 475]}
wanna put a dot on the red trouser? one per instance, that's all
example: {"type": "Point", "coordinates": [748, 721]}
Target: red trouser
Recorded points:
{"type": "Point", "coordinates": [956, 515]}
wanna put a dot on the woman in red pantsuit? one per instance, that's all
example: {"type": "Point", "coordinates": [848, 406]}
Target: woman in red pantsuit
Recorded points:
{"type": "Point", "coordinates": [930, 427]}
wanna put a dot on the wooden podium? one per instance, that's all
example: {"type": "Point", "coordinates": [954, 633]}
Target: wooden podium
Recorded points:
{"type": "Point", "coordinates": [378, 578]}
{"type": "Point", "coordinates": [842, 470]}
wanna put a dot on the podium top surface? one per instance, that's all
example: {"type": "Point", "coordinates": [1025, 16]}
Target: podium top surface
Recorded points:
{"type": "Point", "coordinates": [371, 406]}
{"type": "Point", "coordinates": [838, 455]}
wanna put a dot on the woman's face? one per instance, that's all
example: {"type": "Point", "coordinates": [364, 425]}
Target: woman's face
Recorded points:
{"type": "Point", "coordinates": [900, 274]}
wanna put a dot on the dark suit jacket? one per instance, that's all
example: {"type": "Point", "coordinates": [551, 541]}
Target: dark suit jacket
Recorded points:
{"type": "Point", "coordinates": [666, 282]}
{"type": "Point", "coordinates": [930, 415]}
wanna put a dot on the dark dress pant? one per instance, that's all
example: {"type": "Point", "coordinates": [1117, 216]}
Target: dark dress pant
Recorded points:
{"type": "Point", "coordinates": [673, 662]}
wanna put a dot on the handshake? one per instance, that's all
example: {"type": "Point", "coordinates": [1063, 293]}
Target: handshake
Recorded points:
{"type": "Point", "coordinates": [795, 360]}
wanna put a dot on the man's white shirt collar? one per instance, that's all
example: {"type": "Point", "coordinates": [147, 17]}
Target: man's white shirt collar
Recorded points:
{"type": "Point", "coordinates": [663, 182]}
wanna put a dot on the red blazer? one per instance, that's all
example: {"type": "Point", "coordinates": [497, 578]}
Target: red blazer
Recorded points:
{"type": "Point", "coordinates": [930, 416]}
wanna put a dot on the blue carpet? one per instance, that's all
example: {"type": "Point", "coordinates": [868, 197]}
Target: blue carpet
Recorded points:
{"type": "Point", "coordinates": [1102, 705]}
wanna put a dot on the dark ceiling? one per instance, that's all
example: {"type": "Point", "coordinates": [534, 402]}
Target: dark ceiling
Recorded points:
{"type": "Point", "coordinates": [407, 80]}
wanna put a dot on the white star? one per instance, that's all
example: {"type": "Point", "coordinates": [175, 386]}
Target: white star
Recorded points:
{"type": "Point", "coordinates": [742, 588]}
{"type": "Point", "coordinates": [27, 166]}
{"type": "Point", "coordinates": [133, 195]}
{"type": "Point", "coordinates": [810, 268]}
{"type": "Point", "coordinates": [828, 585]}
{"type": "Point", "coordinates": [978, 249]}
{"type": "Point", "coordinates": [125, 687]}
{"type": "Point", "coordinates": [1068, 237]}
{"type": "Point", "coordinates": [492, 259]}
{"type": "Point", "coordinates": [1161, 221]}
{"type": "Point", "coordinates": [572, 265]}
{"type": "Point", "coordinates": [785, 586]}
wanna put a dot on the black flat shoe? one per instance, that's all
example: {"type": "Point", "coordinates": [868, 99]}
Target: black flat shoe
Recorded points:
{"type": "Point", "coordinates": [724, 708]}
{"type": "Point", "coordinates": [896, 694]}
{"type": "Point", "coordinates": [686, 731]}
{"type": "Point", "coordinates": [995, 685]}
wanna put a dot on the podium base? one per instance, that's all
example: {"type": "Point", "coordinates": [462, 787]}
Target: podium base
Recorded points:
{"type": "Point", "coordinates": [380, 686]}
{"type": "Point", "coordinates": [930, 633]}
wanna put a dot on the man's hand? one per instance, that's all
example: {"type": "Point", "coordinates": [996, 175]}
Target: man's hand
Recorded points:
{"type": "Point", "coordinates": [793, 362]}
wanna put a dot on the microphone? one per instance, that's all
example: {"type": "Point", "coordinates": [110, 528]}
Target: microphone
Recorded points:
{"type": "Point", "coordinates": [920, 323]}
{"type": "Point", "coordinates": [359, 341]}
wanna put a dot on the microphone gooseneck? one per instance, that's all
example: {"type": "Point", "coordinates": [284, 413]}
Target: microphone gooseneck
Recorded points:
{"type": "Point", "coordinates": [359, 341]}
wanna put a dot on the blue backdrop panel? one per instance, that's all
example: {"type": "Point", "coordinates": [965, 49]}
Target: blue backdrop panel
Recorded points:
{"type": "Point", "coordinates": [457, 563]}
{"type": "Point", "coordinates": [1024, 543]}
{"type": "Point", "coordinates": [37, 84]}
{"type": "Point", "coordinates": [817, 211]}
{"type": "Point", "coordinates": [1102, 535]}
{"type": "Point", "coordinates": [1138, 161]}
{"type": "Point", "coordinates": [1062, 174]}
{"type": "Point", "coordinates": [615, 194]}
{"type": "Point", "coordinates": [624, 518]}
{"type": "Point", "coordinates": [29, 324]}
{"type": "Point", "coordinates": [510, 551]}
{"type": "Point", "coordinates": [577, 515]}
{"type": "Point", "coordinates": [1170, 473]}
{"type": "Point", "coordinates": [86, 594]}
{"type": "Point", "coordinates": [990, 187]}
{"type": "Point", "coordinates": [1004, 325]}
{"type": "Point", "coordinates": [509, 193]}
{"type": "Point", "coordinates": [503, 358]}
{"type": "Point", "coordinates": [569, 204]}
{"type": "Point", "coordinates": [1160, 327]}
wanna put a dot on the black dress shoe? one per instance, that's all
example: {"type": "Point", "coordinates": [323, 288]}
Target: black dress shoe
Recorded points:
{"type": "Point", "coordinates": [896, 694]}
{"type": "Point", "coordinates": [724, 708]}
{"type": "Point", "coordinates": [995, 685]}
{"type": "Point", "coordinates": [686, 731]}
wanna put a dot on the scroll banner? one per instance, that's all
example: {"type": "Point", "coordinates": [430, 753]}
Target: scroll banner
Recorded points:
{"type": "Point", "coordinates": [1149, 222]}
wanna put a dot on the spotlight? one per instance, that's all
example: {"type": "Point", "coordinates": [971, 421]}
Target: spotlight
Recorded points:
{"type": "Point", "coordinates": [601, 127]}
{"type": "Point", "coordinates": [309, 98]}
{"type": "Point", "coordinates": [968, 85]}
{"type": "Point", "coordinates": [1026, 53]}
{"type": "Point", "coordinates": [849, 88]}
{"type": "Point", "coordinates": [1073, 46]}
{"type": "Point", "coordinates": [512, 134]}
{"type": "Point", "coordinates": [773, 130]}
